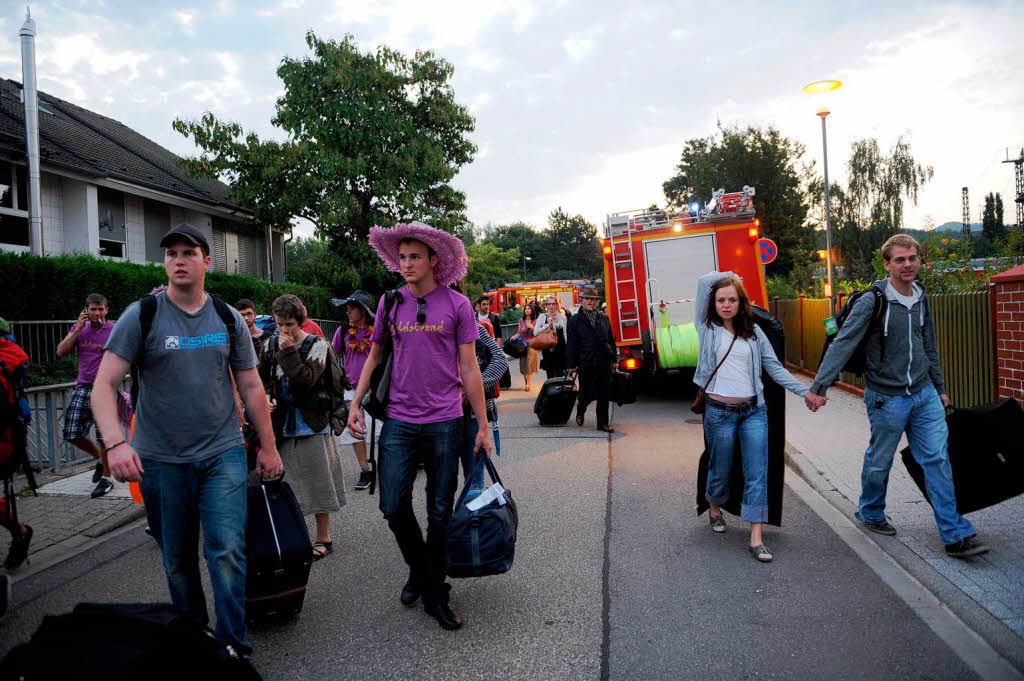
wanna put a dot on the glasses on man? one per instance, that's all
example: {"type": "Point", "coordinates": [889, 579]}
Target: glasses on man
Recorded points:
{"type": "Point", "coordinates": [902, 260]}
{"type": "Point", "coordinates": [421, 312]}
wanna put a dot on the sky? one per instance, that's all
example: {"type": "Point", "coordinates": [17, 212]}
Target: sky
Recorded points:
{"type": "Point", "coordinates": [580, 104]}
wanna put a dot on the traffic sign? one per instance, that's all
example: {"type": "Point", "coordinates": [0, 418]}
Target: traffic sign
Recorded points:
{"type": "Point", "coordinates": [768, 250]}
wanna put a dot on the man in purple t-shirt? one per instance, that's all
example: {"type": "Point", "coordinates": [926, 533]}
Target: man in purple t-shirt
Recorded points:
{"type": "Point", "coordinates": [433, 334]}
{"type": "Point", "coordinates": [88, 336]}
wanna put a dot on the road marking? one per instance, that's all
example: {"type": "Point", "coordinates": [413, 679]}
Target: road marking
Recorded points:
{"type": "Point", "coordinates": [606, 568]}
{"type": "Point", "coordinates": [964, 641]}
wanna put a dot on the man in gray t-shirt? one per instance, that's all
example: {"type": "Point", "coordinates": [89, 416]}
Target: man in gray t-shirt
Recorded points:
{"type": "Point", "coordinates": [187, 453]}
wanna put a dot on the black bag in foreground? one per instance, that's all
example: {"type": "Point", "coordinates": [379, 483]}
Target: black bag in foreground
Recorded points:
{"type": "Point", "coordinates": [124, 641]}
{"type": "Point", "coordinates": [375, 401]}
{"type": "Point", "coordinates": [623, 390]}
{"type": "Point", "coordinates": [555, 401]}
{"type": "Point", "coordinates": [278, 551]}
{"type": "Point", "coordinates": [483, 542]}
{"type": "Point", "coordinates": [986, 453]}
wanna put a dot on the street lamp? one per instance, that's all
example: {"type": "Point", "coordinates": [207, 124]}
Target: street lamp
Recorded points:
{"type": "Point", "coordinates": [525, 258]}
{"type": "Point", "coordinates": [820, 88]}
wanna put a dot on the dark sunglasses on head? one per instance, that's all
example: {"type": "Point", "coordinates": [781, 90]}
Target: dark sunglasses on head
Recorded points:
{"type": "Point", "coordinates": [421, 313]}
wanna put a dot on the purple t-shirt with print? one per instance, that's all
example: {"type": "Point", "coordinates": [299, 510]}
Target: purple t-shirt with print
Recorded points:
{"type": "Point", "coordinates": [90, 344]}
{"type": "Point", "coordinates": [425, 378]}
{"type": "Point", "coordinates": [354, 359]}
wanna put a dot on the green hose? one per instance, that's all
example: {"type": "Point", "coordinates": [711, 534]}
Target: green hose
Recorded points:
{"type": "Point", "coordinates": [677, 346]}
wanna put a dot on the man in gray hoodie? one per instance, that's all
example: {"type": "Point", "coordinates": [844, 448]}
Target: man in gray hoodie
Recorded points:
{"type": "Point", "coordinates": [905, 392]}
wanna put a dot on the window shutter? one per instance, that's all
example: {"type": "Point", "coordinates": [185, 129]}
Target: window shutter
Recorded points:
{"type": "Point", "coordinates": [220, 252]}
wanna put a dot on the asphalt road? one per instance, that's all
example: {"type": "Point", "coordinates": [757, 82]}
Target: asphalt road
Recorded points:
{"type": "Point", "coordinates": [615, 577]}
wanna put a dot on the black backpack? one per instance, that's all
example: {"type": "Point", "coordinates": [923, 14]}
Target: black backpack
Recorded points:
{"type": "Point", "coordinates": [857, 363]}
{"type": "Point", "coordinates": [147, 312]}
{"type": "Point", "coordinates": [375, 402]}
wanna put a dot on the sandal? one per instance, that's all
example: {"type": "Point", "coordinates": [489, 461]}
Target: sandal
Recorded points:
{"type": "Point", "coordinates": [327, 546]}
{"type": "Point", "coordinates": [19, 549]}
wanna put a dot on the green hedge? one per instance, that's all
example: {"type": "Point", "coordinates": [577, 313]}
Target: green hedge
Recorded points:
{"type": "Point", "coordinates": [42, 288]}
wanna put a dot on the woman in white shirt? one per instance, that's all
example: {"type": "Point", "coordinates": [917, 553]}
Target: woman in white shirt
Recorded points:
{"type": "Point", "coordinates": [552, 359]}
{"type": "Point", "coordinates": [736, 411]}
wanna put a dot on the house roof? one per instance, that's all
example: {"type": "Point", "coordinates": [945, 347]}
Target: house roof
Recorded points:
{"type": "Point", "coordinates": [85, 142]}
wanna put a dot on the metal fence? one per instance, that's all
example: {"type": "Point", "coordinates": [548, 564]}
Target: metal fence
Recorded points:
{"type": "Point", "coordinates": [963, 328]}
{"type": "Point", "coordinates": [39, 339]}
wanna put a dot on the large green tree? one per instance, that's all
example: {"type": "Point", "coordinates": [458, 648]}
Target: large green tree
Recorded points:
{"type": "Point", "coordinates": [762, 158]}
{"type": "Point", "coordinates": [369, 138]}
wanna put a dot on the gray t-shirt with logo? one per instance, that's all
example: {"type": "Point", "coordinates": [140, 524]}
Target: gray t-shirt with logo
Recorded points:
{"type": "Point", "coordinates": [186, 409]}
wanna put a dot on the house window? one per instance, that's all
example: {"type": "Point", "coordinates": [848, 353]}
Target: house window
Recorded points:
{"type": "Point", "coordinates": [113, 234]}
{"type": "Point", "coordinates": [13, 205]}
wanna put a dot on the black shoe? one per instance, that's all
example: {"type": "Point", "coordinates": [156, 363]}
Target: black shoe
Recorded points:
{"type": "Point", "coordinates": [19, 549]}
{"type": "Point", "coordinates": [410, 594]}
{"type": "Point", "coordinates": [606, 429]}
{"type": "Point", "coordinates": [580, 417]}
{"type": "Point", "coordinates": [881, 528]}
{"type": "Point", "coordinates": [102, 487]}
{"type": "Point", "coordinates": [966, 547]}
{"type": "Point", "coordinates": [5, 593]}
{"type": "Point", "coordinates": [438, 608]}
{"type": "Point", "coordinates": [98, 473]}
{"type": "Point", "coordinates": [365, 477]}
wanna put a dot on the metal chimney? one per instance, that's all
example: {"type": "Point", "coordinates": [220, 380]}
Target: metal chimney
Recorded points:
{"type": "Point", "coordinates": [31, 97]}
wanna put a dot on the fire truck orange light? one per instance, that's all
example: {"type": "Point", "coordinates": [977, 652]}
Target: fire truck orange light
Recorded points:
{"type": "Point", "coordinates": [752, 233]}
{"type": "Point", "coordinates": [607, 250]}
{"type": "Point", "coordinates": [631, 363]}
{"type": "Point", "coordinates": [678, 227]}
{"type": "Point", "coordinates": [757, 222]}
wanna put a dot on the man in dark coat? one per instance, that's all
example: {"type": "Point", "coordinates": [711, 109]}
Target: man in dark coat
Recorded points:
{"type": "Point", "coordinates": [590, 350]}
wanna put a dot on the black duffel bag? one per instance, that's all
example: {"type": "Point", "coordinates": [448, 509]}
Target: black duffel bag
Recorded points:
{"type": "Point", "coordinates": [124, 641]}
{"type": "Point", "coordinates": [623, 390]}
{"type": "Point", "coordinates": [515, 348]}
{"type": "Point", "coordinates": [483, 542]}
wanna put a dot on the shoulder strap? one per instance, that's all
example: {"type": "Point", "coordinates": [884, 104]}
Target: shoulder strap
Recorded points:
{"type": "Point", "coordinates": [225, 314]}
{"type": "Point", "coordinates": [147, 312]}
{"type": "Point", "coordinates": [706, 384]}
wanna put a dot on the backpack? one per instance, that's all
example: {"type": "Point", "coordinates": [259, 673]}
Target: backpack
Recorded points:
{"type": "Point", "coordinates": [13, 424]}
{"type": "Point", "coordinates": [266, 323]}
{"type": "Point", "coordinates": [375, 401]}
{"type": "Point", "coordinates": [857, 363]}
{"type": "Point", "coordinates": [147, 312]}
{"type": "Point", "coordinates": [333, 381]}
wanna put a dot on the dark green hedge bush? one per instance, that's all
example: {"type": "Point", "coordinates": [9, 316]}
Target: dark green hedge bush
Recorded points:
{"type": "Point", "coordinates": [43, 288]}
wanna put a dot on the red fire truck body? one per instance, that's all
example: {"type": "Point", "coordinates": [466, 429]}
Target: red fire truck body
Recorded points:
{"type": "Point", "coordinates": [652, 262]}
{"type": "Point", "coordinates": [510, 295]}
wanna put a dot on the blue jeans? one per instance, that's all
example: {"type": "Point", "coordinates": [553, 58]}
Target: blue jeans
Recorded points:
{"type": "Point", "coordinates": [181, 497]}
{"type": "Point", "coordinates": [922, 416]}
{"type": "Point", "coordinates": [723, 428]}
{"type": "Point", "coordinates": [402, 446]}
{"type": "Point", "coordinates": [468, 456]}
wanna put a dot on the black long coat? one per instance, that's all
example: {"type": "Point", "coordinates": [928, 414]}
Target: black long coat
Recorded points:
{"type": "Point", "coordinates": [589, 347]}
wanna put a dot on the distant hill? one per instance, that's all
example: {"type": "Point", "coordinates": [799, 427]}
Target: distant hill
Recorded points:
{"type": "Point", "coordinates": [957, 227]}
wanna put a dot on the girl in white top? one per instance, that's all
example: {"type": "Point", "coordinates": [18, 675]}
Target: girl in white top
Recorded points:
{"type": "Point", "coordinates": [736, 412]}
{"type": "Point", "coordinates": [552, 359]}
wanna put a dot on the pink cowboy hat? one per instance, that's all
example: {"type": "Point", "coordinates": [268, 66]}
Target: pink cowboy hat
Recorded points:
{"type": "Point", "coordinates": [452, 262]}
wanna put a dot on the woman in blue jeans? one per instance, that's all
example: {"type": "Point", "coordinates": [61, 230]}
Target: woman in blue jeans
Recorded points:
{"type": "Point", "coordinates": [733, 351]}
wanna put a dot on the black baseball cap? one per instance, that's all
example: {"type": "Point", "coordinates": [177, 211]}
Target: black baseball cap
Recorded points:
{"type": "Point", "coordinates": [187, 233]}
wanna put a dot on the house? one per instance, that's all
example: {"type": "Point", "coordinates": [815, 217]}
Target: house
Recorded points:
{"type": "Point", "coordinates": [109, 191]}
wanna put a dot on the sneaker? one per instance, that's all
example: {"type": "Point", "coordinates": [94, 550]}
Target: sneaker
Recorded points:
{"type": "Point", "coordinates": [966, 547]}
{"type": "Point", "coordinates": [762, 553]}
{"type": "Point", "coordinates": [365, 477]}
{"type": "Point", "coordinates": [98, 473]}
{"type": "Point", "coordinates": [718, 522]}
{"type": "Point", "coordinates": [882, 527]}
{"type": "Point", "coordinates": [102, 487]}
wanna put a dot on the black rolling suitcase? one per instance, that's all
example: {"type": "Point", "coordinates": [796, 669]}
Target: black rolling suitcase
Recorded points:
{"type": "Point", "coordinates": [278, 552]}
{"type": "Point", "coordinates": [556, 400]}
{"type": "Point", "coordinates": [986, 454]}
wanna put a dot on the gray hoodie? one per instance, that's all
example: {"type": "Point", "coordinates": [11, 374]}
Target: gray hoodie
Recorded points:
{"type": "Point", "coordinates": [911, 356]}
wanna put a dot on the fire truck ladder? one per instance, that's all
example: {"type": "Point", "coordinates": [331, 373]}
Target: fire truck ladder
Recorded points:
{"type": "Point", "coordinates": [624, 279]}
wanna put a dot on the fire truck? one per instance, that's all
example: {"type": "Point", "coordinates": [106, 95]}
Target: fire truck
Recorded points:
{"type": "Point", "coordinates": [652, 260]}
{"type": "Point", "coordinates": [510, 295]}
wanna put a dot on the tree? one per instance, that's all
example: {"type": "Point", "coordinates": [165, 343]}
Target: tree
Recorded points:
{"type": "Point", "coordinates": [490, 266]}
{"type": "Point", "coordinates": [870, 208]}
{"type": "Point", "coordinates": [370, 138]}
{"type": "Point", "coordinates": [1000, 225]}
{"type": "Point", "coordinates": [572, 249]}
{"type": "Point", "coordinates": [988, 218]}
{"type": "Point", "coordinates": [764, 159]}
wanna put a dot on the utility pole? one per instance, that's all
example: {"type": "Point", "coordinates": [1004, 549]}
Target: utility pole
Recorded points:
{"type": "Point", "coordinates": [1018, 171]}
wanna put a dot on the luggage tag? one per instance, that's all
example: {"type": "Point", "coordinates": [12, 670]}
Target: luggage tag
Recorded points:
{"type": "Point", "coordinates": [495, 491]}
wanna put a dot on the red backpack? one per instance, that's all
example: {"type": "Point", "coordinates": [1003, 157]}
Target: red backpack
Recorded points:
{"type": "Point", "coordinates": [13, 362]}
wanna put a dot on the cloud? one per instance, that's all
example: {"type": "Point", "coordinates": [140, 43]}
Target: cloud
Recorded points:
{"type": "Point", "coordinates": [187, 21]}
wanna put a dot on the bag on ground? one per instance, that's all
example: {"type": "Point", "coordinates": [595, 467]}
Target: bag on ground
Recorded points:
{"type": "Point", "coordinates": [122, 642]}
{"type": "Point", "coordinates": [623, 389]}
{"type": "Point", "coordinates": [482, 542]}
{"type": "Point", "coordinates": [278, 551]}
{"type": "Point", "coordinates": [555, 401]}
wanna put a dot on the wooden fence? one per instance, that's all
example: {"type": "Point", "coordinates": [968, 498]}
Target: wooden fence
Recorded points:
{"type": "Point", "coordinates": [963, 328]}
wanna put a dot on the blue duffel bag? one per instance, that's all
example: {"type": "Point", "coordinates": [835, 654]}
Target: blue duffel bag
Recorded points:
{"type": "Point", "coordinates": [482, 542]}
{"type": "Point", "coordinates": [515, 348]}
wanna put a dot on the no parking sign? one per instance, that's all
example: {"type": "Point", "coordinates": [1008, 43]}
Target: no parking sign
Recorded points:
{"type": "Point", "coordinates": [767, 250]}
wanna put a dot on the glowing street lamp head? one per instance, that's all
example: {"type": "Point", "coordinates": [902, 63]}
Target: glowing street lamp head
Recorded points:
{"type": "Point", "coordinates": [822, 86]}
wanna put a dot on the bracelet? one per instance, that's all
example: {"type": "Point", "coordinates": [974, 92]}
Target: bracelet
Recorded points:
{"type": "Point", "coordinates": [117, 444]}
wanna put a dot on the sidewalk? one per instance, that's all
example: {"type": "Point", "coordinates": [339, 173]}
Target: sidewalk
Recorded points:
{"type": "Point", "coordinates": [63, 518]}
{"type": "Point", "coordinates": [833, 441]}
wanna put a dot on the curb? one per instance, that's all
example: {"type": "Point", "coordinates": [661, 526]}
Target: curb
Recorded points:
{"type": "Point", "coordinates": [112, 523]}
{"type": "Point", "coordinates": [1001, 638]}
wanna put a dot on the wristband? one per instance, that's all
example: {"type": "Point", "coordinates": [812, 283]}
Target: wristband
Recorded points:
{"type": "Point", "coordinates": [117, 444]}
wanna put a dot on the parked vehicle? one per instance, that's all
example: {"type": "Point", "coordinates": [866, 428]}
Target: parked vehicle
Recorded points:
{"type": "Point", "coordinates": [518, 294]}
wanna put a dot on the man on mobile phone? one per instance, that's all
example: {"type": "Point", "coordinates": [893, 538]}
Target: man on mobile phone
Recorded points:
{"type": "Point", "coordinates": [87, 337]}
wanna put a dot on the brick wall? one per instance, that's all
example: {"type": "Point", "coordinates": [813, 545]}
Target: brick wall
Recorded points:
{"type": "Point", "coordinates": [1008, 295]}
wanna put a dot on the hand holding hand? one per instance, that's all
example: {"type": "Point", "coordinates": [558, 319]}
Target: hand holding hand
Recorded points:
{"type": "Point", "coordinates": [814, 401]}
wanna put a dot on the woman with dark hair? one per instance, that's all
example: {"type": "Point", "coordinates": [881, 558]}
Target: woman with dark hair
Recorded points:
{"type": "Point", "coordinates": [528, 362]}
{"type": "Point", "coordinates": [733, 351]}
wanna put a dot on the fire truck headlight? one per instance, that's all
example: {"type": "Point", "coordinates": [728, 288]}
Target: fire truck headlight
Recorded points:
{"type": "Point", "coordinates": [607, 250]}
{"type": "Point", "coordinates": [752, 232]}
{"type": "Point", "coordinates": [677, 227]}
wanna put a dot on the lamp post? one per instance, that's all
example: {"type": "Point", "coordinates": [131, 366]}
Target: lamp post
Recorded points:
{"type": "Point", "coordinates": [822, 87]}
{"type": "Point", "coordinates": [525, 258]}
